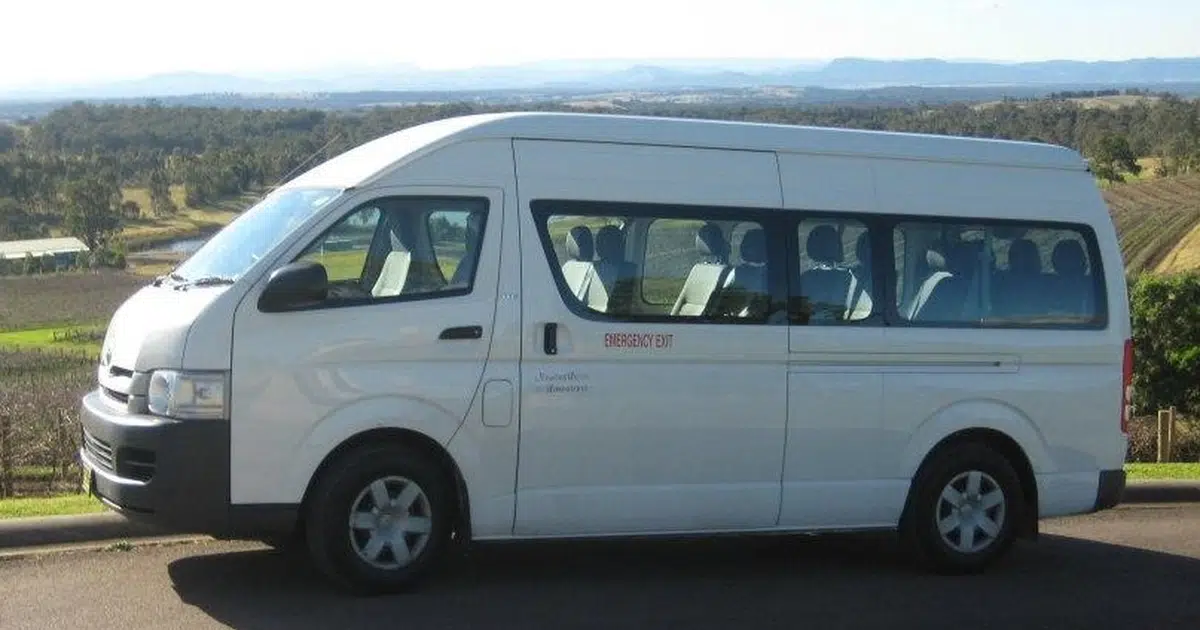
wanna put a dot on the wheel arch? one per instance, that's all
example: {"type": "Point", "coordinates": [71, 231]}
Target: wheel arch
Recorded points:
{"type": "Point", "coordinates": [408, 437]}
{"type": "Point", "coordinates": [1007, 447]}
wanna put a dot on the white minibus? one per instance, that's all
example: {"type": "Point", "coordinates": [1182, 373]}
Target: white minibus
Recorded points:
{"type": "Point", "coordinates": [545, 325]}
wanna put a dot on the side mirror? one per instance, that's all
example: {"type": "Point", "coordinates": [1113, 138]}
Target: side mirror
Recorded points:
{"type": "Point", "coordinates": [294, 286]}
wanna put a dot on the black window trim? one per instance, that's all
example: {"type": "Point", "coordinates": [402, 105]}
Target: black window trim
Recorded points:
{"type": "Point", "coordinates": [882, 226]}
{"type": "Point", "coordinates": [485, 209]}
{"type": "Point", "coordinates": [770, 218]}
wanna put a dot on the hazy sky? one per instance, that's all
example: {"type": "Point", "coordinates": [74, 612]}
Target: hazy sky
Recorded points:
{"type": "Point", "coordinates": [55, 41]}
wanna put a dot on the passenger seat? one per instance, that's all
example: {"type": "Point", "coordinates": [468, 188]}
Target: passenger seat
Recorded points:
{"type": "Point", "coordinates": [1072, 285]}
{"type": "Point", "coordinates": [706, 276]}
{"type": "Point", "coordinates": [614, 291]}
{"type": "Point", "coordinates": [827, 286]}
{"type": "Point", "coordinates": [579, 269]}
{"type": "Point", "coordinates": [744, 294]}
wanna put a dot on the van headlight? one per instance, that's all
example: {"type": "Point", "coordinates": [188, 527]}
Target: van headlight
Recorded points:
{"type": "Point", "coordinates": [187, 395]}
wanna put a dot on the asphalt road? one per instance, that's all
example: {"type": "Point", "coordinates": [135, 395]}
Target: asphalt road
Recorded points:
{"type": "Point", "coordinates": [1134, 567]}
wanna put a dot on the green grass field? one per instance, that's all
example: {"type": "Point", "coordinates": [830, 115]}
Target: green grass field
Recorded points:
{"type": "Point", "coordinates": [61, 505]}
{"type": "Point", "coordinates": [1163, 471]}
{"type": "Point", "coordinates": [70, 338]}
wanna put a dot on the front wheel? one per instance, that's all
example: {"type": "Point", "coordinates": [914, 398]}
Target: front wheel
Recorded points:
{"type": "Point", "coordinates": [964, 509]}
{"type": "Point", "coordinates": [380, 519]}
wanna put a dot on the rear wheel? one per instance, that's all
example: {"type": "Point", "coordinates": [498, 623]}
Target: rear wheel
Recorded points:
{"type": "Point", "coordinates": [963, 512]}
{"type": "Point", "coordinates": [380, 519]}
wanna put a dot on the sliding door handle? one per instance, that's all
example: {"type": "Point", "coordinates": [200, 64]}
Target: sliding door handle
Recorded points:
{"type": "Point", "coordinates": [462, 332]}
{"type": "Point", "coordinates": [550, 338]}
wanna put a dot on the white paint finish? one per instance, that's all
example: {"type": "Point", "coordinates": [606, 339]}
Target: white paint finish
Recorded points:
{"type": "Point", "coordinates": [1060, 404]}
{"type": "Point", "coordinates": [835, 418]}
{"type": "Point", "coordinates": [576, 170]}
{"type": "Point", "coordinates": [820, 182]}
{"type": "Point", "coordinates": [149, 330]}
{"type": "Point", "coordinates": [965, 189]}
{"type": "Point", "coordinates": [368, 163]}
{"type": "Point", "coordinates": [497, 403]}
{"type": "Point", "coordinates": [685, 437]}
{"type": "Point", "coordinates": [306, 381]}
{"type": "Point", "coordinates": [1066, 494]}
{"type": "Point", "coordinates": [842, 504]}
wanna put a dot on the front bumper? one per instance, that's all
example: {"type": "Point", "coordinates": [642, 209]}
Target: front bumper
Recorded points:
{"type": "Point", "coordinates": [170, 474]}
{"type": "Point", "coordinates": [1110, 489]}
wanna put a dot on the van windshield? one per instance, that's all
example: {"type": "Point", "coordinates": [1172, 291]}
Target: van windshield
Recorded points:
{"type": "Point", "coordinates": [232, 251]}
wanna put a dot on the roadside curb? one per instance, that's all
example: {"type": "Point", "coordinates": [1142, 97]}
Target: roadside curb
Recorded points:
{"type": "Point", "coordinates": [1183, 491]}
{"type": "Point", "coordinates": [62, 530]}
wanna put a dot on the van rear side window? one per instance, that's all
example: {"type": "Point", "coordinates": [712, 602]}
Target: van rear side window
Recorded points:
{"type": "Point", "coordinates": [997, 275]}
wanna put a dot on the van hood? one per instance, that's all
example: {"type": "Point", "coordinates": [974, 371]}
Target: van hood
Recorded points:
{"type": "Point", "coordinates": [150, 329]}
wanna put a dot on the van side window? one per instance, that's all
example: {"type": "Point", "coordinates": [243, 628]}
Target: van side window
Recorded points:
{"type": "Point", "coordinates": [401, 248]}
{"type": "Point", "coordinates": [996, 275]}
{"type": "Point", "coordinates": [640, 265]}
{"type": "Point", "coordinates": [835, 282]}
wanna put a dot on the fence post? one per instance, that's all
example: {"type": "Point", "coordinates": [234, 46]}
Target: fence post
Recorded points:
{"type": "Point", "coordinates": [6, 463]}
{"type": "Point", "coordinates": [1171, 432]}
{"type": "Point", "coordinates": [1164, 435]}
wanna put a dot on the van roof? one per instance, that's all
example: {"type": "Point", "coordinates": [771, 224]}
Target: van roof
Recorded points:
{"type": "Point", "coordinates": [371, 159]}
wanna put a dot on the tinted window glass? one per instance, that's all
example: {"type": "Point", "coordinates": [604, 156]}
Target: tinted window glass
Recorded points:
{"type": "Point", "coordinates": [402, 248]}
{"type": "Point", "coordinates": [996, 275]}
{"type": "Point", "coordinates": [686, 267]}
{"type": "Point", "coordinates": [835, 281]}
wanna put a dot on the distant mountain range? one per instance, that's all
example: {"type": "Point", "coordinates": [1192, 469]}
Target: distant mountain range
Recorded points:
{"type": "Point", "coordinates": [657, 74]}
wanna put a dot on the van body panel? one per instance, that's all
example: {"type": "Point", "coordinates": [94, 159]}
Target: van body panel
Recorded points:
{"type": "Point", "coordinates": [680, 435]}
{"type": "Point", "coordinates": [298, 371]}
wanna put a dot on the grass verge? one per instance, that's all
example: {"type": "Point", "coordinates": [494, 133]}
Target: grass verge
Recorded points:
{"type": "Point", "coordinates": [1147, 471]}
{"type": "Point", "coordinates": [61, 505]}
{"type": "Point", "coordinates": [74, 338]}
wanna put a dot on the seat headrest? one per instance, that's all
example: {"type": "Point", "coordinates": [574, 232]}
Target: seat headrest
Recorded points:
{"type": "Point", "coordinates": [579, 243]}
{"type": "Point", "coordinates": [935, 260]}
{"type": "Point", "coordinates": [824, 245]}
{"type": "Point", "coordinates": [754, 247]}
{"type": "Point", "coordinates": [963, 258]}
{"type": "Point", "coordinates": [1069, 259]}
{"type": "Point", "coordinates": [610, 243]}
{"type": "Point", "coordinates": [711, 242]}
{"type": "Point", "coordinates": [1023, 257]}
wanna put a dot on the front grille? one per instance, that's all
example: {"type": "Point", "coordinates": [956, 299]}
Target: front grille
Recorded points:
{"type": "Point", "coordinates": [100, 451]}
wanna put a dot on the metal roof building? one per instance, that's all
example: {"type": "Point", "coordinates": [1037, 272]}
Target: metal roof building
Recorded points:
{"type": "Point", "coordinates": [41, 246]}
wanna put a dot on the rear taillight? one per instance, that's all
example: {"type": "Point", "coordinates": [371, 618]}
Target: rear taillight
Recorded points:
{"type": "Point", "coordinates": [1127, 386]}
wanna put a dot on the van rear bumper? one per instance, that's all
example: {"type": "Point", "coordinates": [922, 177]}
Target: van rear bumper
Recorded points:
{"type": "Point", "coordinates": [170, 474]}
{"type": "Point", "coordinates": [1110, 489]}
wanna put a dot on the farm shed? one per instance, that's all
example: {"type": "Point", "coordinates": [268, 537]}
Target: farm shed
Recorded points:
{"type": "Point", "coordinates": [62, 250]}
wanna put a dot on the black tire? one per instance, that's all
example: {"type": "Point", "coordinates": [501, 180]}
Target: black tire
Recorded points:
{"type": "Point", "coordinates": [331, 542]}
{"type": "Point", "coordinates": [919, 527]}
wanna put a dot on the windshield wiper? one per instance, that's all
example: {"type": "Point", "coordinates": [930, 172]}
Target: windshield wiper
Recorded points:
{"type": "Point", "coordinates": [206, 281]}
{"type": "Point", "coordinates": [210, 281]}
{"type": "Point", "coordinates": [172, 276]}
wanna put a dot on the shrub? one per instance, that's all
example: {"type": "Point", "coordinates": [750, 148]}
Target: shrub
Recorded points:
{"type": "Point", "coordinates": [1165, 312]}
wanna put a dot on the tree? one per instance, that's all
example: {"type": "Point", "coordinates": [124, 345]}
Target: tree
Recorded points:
{"type": "Point", "coordinates": [92, 210]}
{"type": "Point", "coordinates": [1112, 156]}
{"type": "Point", "coordinates": [161, 202]}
